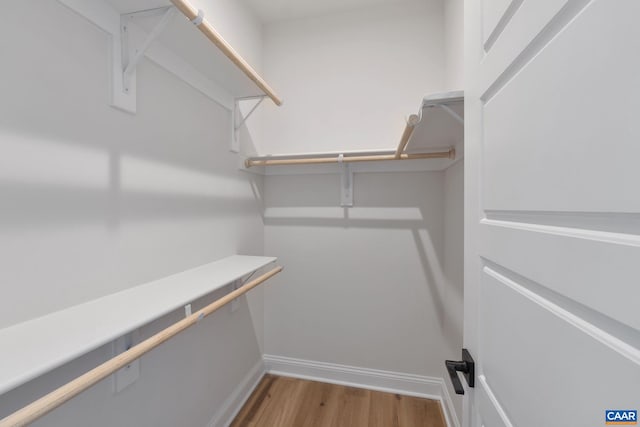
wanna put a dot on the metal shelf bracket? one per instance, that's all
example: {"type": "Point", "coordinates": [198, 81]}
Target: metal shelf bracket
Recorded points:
{"type": "Point", "coordinates": [452, 113]}
{"type": "Point", "coordinates": [239, 118]}
{"type": "Point", "coordinates": [131, 55]}
{"type": "Point", "coordinates": [346, 183]}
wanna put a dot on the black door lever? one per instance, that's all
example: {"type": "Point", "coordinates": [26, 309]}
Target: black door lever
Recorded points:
{"type": "Point", "coordinates": [466, 366]}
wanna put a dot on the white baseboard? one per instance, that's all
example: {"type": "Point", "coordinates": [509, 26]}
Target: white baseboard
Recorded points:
{"type": "Point", "coordinates": [236, 400]}
{"type": "Point", "coordinates": [373, 379]}
{"type": "Point", "coordinates": [448, 408]}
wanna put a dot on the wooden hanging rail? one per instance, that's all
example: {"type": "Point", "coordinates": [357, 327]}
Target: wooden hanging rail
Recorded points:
{"type": "Point", "coordinates": [346, 158]}
{"type": "Point", "coordinates": [406, 135]}
{"type": "Point", "coordinates": [414, 123]}
{"type": "Point", "coordinates": [49, 402]}
{"type": "Point", "coordinates": [192, 15]}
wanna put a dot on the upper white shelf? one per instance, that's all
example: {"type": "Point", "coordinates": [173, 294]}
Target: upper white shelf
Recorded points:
{"type": "Point", "coordinates": [179, 38]}
{"type": "Point", "coordinates": [438, 127]}
{"type": "Point", "coordinates": [37, 346]}
{"type": "Point", "coordinates": [203, 47]}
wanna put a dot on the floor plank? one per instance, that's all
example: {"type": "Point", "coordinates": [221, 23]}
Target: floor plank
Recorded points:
{"type": "Point", "coordinates": [290, 402]}
{"type": "Point", "coordinates": [415, 411]}
{"type": "Point", "coordinates": [316, 401]}
{"type": "Point", "coordinates": [383, 411]}
{"type": "Point", "coordinates": [353, 407]}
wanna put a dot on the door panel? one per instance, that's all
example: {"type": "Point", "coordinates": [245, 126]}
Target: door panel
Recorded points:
{"type": "Point", "coordinates": [552, 221]}
{"type": "Point", "coordinates": [492, 413]}
{"type": "Point", "coordinates": [540, 358]}
{"type": "Point", "coordinates": [493, 12]}
{"type": "Point", "coordinates": [557, 135]}
{"type": "Point", "coordinates": [517, 36]}
{"type": "Point", "coordinates": [569, 262]}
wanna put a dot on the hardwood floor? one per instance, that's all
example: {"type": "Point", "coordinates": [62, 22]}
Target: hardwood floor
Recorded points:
{"type": "Point", "coordinates": [290, 402]}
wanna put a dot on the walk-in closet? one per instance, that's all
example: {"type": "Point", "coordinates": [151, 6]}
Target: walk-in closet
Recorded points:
{"type": "Point", "coordinates": [336, 213]}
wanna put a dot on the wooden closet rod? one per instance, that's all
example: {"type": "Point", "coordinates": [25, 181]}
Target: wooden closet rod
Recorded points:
{"type": "Point", "coordinates": [406, 135]}
{"type": "Point", "coordinates": [49, 402]}
{"type": "Point", "coordinates": [450, 154]}
{"type": "Point", "coordinates": [191, 13]}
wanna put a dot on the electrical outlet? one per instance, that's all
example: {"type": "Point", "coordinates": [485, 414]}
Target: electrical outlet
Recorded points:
{"type": "Point", "coordinates": [130, 373]}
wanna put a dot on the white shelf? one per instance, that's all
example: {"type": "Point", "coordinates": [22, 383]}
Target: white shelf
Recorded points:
{"type": "Point", "coordinates": [438, 129]}
{"type": "Point", "coordinates": [183, 39]}
{"type": "Point", "coordinates": [37, 346]}
{"type": "Point", "coordinates": [178, 45]}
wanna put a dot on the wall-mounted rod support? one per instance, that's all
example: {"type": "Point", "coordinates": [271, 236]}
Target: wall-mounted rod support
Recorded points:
{"type": "Point", "coordinates": [346, 185]}
{"type": "Point", "coordinates": [450, 154]}
{"type": "Point", "coordinates": [57, 397]}
{"type": "Point", "coordinates": [238, 120]}
{"type": "Point", "coordinates": [192, 13]}
{"type": "Point", "coordinates": [452, 113]}
{"type": "Point", "coordinates": [157, 30]}
{"type": "Point", "coordinates": [430, 102]}
{"type": "Point", "coordinates": [244, 119]}
{"type": "Point", "coordinates": [452, 97]}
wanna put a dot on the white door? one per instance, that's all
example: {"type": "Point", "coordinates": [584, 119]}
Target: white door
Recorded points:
{"type": "Point", "coordinates": [552, 239]}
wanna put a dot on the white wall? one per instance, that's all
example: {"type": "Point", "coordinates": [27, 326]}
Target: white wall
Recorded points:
{"type": "Point", "coordinates": [362, 286]}
{"type": "Point", "coordinates": [453, 269]}
{"type": "Point", "coordinates": [95, 200]}
{"type": "Point", "coordinates": [238, 24]}
{"type": "Point", "coordinates": [349, 80]}
{"type": "Point", "coordinates": [375, 286]}
{"type": "Point", "coordinates": [454, 44]}
{"type": "Point", "coordinates": [454, 196]}
{"type": "Point", "coordinates": [378, 285]}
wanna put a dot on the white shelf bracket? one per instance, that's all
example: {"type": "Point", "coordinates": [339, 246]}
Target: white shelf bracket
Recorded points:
{"type": "Point", "coordinates": [452, 113]}
{"type": "Point", "coordinates": [131, 56]}
{"type": "Point", "coordinates": [239, 119]}
{"type": "Point", "coordinates": [130, 373]}
{"type": "Point", "coordinates": [235, 304]}
{"type": "Point", "coordinates": [346, 183]}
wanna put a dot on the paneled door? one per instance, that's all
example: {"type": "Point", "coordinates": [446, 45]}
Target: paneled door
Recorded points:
{"type": "Point", "coordinates": [552, 200]}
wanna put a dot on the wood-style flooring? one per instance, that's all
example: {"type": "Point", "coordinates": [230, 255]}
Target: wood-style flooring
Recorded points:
{"type": "Point", "coordinates": [290, 402]}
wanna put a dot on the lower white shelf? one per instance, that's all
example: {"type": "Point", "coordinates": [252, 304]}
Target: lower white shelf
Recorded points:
{"type": "Point", "coordinates": [37, 346]}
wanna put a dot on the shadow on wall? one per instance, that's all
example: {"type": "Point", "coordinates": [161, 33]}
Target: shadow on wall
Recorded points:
{"type": "Point", "coordinates": [380, 203]}
{"type": "Point", "coordinates": [94, 200]}
{"type": "Point", "coordinates": [97, 199]}
{"type": "Point", "coordinates": [69, 157]}
{"type": "Point", "coordinates": [48, 182]}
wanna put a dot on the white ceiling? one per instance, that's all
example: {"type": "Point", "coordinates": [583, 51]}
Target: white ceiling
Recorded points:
{"type": "Point", "coordinates": [278, 10]}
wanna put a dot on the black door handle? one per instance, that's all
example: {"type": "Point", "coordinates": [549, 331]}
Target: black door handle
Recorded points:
{"type": "Point", "coordinates": [466, 366]}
